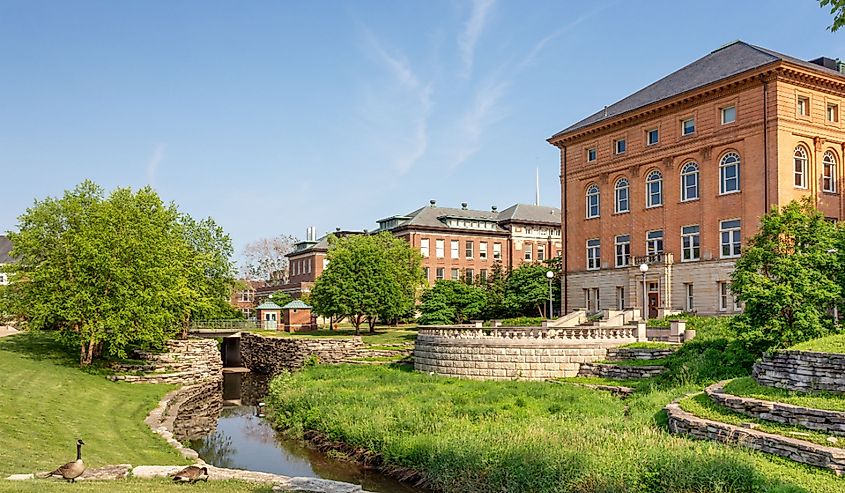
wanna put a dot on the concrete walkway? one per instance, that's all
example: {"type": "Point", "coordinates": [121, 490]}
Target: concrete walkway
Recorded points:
{"type": "Point", "coordinates": [5, 330]}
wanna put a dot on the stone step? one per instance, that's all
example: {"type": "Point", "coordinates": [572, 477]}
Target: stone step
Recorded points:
{"type": "Point", "coordinates": [639, 354]}
{"type": "Point", "coordinates": [619, 372]}
{"type": "Point", "coordinates": [826, 421]}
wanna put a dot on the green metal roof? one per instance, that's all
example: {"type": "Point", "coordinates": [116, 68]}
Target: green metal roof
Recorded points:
{"type": "Point", "coordinates": [296, 304]}
{"type": "Point", "coordinates": [268, 305]}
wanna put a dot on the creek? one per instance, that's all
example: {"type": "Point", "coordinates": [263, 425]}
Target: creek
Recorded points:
{"type": "Point", "coordinates": [244, 440]}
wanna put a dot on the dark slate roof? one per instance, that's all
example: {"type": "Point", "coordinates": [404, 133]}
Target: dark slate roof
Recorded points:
{"type": "Point", "coordinates": [727, 61]}
{"type": "Point", "coordinates": [531, 214]}
{"type": "Point", "coordinates": [5, 248]}
{"type": "Point", "coordinates": [320, 244]}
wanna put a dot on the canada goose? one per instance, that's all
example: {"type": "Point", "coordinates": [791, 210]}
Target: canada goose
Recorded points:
{"type": "Point", "coordinates": [72, 470]}
{"type": "Point", "coordinates": [192, 474]}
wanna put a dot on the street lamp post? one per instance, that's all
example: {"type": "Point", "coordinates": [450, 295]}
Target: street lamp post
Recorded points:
{"type": "Point", "coordinates": [644, 269]}
{"type": "Point", "coordinates": [551, 276]}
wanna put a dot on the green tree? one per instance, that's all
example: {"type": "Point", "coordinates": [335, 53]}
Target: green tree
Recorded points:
{"type": "Point", "coordinates": [494, 289]}
{"type": "Point", "coordinates": [450, 302]}
{"type": "Point", "coordinates": [368, 277]}
{"type": "Point", "coordinates": [786, 278]}
{"type": "Point", "coordinates": [527, 289]}
{"type": "Point", "coordinates": [111, 271]}
{"type": "Point", "coordinates": [837, 10]}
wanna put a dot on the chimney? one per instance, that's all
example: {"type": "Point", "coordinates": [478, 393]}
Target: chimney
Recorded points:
{"type": "Point", "coordinates": [827, 63]}
{"type": "Point", "coordinates": [337, 229]}
{"type": "Point", "coordinates": [464, 205]}
{"type": "Point", "coordinates": [432, 202]}
{"type": "Point", "coordinates": [494, 208]}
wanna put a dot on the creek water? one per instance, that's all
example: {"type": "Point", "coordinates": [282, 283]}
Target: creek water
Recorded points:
{"type": "Point", "coordinates": [243, 440]}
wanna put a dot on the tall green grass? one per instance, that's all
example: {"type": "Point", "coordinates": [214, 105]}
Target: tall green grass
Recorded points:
{"type": "Point", "coordinates": [473, 437]}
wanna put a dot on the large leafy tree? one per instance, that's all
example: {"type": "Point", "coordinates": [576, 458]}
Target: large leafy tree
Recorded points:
{"type": "Point", "coordinates": [451, 302]}
{"type": "Point", "coordinates": [787, 278]}
{"type": "Point", "coordinates": [109, 271]}
{"type": "Point", "coordinates": [369, 277]}
{"type": "Point", "coordinates": [837, 10]}
{"type": "Point", "coordinates": [527, 289]}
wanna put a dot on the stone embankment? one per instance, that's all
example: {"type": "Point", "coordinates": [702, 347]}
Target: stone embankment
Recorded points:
{"type": "Point", "coordinates": [832, 422]}
{"type": "Point", "coordinates": [619, 372]}
{"type": "Point", "coordinates": [272, 355]}
{"type": "Point", "coordinates": [803, 371]}
{"type": "Point", "coordinates": [182, 362]}
{"type": "Point", "coordinates": [628, 354]}
{"type": "Point", "coordinates": [684, 423]}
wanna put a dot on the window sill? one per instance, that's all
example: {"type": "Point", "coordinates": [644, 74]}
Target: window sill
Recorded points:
{"type": "Point", "coordinates": [732, 192]}
{"type": "Point", "coordinates": [654, 206]}
{"type": "Point", "coordinates": [684, 261]}
{"type": "Point", "coordinates": [621, 212]}
{"type": "Point", "coordinates": [830, 192]}
{"type": "Point", "coordinates": [697, 199]}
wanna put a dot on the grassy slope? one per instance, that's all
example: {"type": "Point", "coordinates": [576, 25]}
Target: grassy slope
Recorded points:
{"type": "Point", "coordinates": [829, 344]}
{"type": "Point", "coordinates": [46, 402]}
{"type": "Point", "coordinates": [472, 436]}
{"type": "Point", "coordinates": [747, 387]}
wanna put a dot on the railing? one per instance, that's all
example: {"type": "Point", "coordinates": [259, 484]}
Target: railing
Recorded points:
{"type": "Point", "coordinates": [654, 258]}
{"type": "Point", "coordinates": [226, 325]}
{"type": "Point", "coordinates": [527, 333]}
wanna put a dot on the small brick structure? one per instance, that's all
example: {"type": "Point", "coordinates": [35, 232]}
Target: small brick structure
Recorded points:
{"type": "Point", "coordinates": [823, 420]}
{"type": "Point", "coordinates": [297, 317]}
{"type": "Point", "coordinates": [804, 371]}
{"type": "Point", "coordinates": [269, 315]}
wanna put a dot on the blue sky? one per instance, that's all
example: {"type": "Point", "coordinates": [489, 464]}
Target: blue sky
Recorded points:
{"type": "Point", "coordinates": [274, 116]}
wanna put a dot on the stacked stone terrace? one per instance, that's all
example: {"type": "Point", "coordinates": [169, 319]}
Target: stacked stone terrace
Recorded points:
{"type": "Point", "coordinates": [802, 371]}
{"type": "Point", "coordinates": [182, 362]}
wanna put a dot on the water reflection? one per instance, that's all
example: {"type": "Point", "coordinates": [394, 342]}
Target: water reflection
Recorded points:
{"type": "Point", "coordinates": [242, 440]}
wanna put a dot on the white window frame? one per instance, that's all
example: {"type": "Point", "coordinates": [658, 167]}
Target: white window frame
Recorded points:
{"type": "Point", "coordinates": [692, 247]}
{"type": "Point", "coordinates": [622, 186]}
{"type": "Point", "coordinates": [455, 274]}
{"type": "Point", "coordinates": [454, 249]}
{"type": "Point", "coordinates": [593, 194]}
{"type": "Point", "coordinates": [690, 170]}
{"type": "Point", "coordinates": [829, 172]}
{"type": "Point", "coordinates": [427, 273]}
{"type": "Point", "coordinates": [689, 297]}
{"type": "Point", "coordinates": [723, 296]}
{"type": "Point", "coordinates": [482, 250]}
{"type": "Point", "coordinates": [800, 158]}
{"type": "Point", "coordinates": [802, 107]}
{"type": "Point", "coordinates": [528, 252]}
{"type": "Point", "coordinates": [593, 254]}
{"type": "Point", "coordinates": [832, 113]}
{"type": "Point", "coordinates": [649, 193]}
{"type": "Point", "coordinates": [724, 112]}
{"type": "Point", "coordinates": [733, 241]}
{"type": "Point", "coordinates": [623, 250]}
{"type": "Point", "coordinates": [469, 276]}
{"type": "Point", "coordinates": [541, 252]}
{"type": "Point", "coordinates": [470, 249]}
{"type": "Point", "coordinates": [724, 165]}
{"type": "Point", "coordinates": [620, 297]}
{"type": "Point", "coordinates": [482, 275]}
{"type": "Point", "coordinates": [616, 143]}
{"type": "Point", "coordinates": [648, 134]}
{"type": "Point", "coordinates": [653, 241]}
{"type": "Point", "coordinates": [424, 247]}
{"type": "Point", "coordinates": [439, 248]}
{"type": "Point", "coordinates": [684, 132]}
{"type": "Point", "coordinates": [497, 251]}
{"type": "Point", "coordinates": [440, 273]}
{"type": "Point", "coordinates": [594, 152]}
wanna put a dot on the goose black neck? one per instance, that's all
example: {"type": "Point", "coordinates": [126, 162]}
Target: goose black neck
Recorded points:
{"type": "Point", "coordinates": [78, 451]}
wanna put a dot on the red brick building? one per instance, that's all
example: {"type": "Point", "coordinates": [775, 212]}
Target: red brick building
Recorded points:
{"type": "Point", "coordinates": [677, 175]}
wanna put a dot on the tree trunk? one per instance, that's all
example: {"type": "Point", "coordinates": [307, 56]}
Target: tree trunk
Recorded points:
{"type": "Point", "coordinates": [87, 355]}
{"type": "Point", "coordinates": [542, 310]}
{"type": "Point", "coordinates": [371, 321]}
{"type": "Point", "coordinates": [356, 321]}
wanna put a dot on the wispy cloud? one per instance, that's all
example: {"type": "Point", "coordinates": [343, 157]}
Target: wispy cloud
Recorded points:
{"type": "Point", "coordinates": [400, 110]}
{"type": "Point", "coordinates": [485, 111]}
{"type": "Point", "coordinates": [473, 28]}
{"type": "Point", "coordinates": [541, 45]}
{"type": "Point", "coordinates": [156, 159]}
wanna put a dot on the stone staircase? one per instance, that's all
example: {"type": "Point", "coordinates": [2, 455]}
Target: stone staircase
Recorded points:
{"type": "Point", "coordinates": [619, 364]}
{"type": "Point", "coordinates": [757, 418]}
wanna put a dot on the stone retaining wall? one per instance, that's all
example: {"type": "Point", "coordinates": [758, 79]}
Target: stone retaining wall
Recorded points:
{"type": "Point", "coordinates": [623, 354]}
{"type": "Point", "coordinates": [803, 371]}
{"type": "Point", "coordinates": [508, 353]}
{"type": "Point", "coordinates": [196, 409]}
{"type": "Point", "coordinates": [832, 422]}
{"type": "Point", "coordinates": [684, 423]}
{"type": "Point", "coordinates": [271, 355]}
{"type": "Point", "coordinates": [619, 372]}
{"type": "Point", "coordinates": [182, 362]}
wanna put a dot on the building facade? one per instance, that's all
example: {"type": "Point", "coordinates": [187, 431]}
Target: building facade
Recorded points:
{"type": "Point", "coordinates": [677, 175]}
{"type": "Point", "coordinates": [5, 258]}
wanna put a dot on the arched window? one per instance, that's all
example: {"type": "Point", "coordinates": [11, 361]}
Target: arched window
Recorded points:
{"type": "Point", "coordinates": [799, 159]}
{"type": "Point", "coordinates": [621, 192]}
{"type": "Point", "coordinates": [654, 189]}
{"type": "Point", "coordinates": [729, 173]}
{"type": "Point", "coordinates": [689, 181]}
{"type": "Point", "coordinates": [592, 201]}
{"type": "Point", "coordinates": [829, 172]}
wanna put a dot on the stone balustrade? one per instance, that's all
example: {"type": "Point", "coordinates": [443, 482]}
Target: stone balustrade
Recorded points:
{"type": "Point", "coordinates": [506, 353]}
{"type": "Point", "coordinates": [803, 371]}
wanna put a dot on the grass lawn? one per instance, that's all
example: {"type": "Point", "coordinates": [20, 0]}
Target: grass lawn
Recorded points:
{"type": "Point", "coordinates": [602, 381]}
{"type": "Point", "coordinates": [382, 335]}
{"type": "Point", "coordinates": [701, 406]}
{"type": "Point", "coordinates": [47, 402]}
{"type": "Point", "coordinates": [472, 436]}
{"type": "Point", "coordinates": [829, 344]}
{"type": "Point", "coordinates": [747, 387]}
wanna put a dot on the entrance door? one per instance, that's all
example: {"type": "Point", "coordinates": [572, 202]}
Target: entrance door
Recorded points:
{"type": "Point", "coordinates": [653, 303]}
{"type": "Point", "coordinates": [270, 321]}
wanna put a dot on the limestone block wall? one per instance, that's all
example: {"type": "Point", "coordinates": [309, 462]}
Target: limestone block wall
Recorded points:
{"type": "Point", "coordinates": [619, 372]}
{"type": "Point", "coordinates": [801, 370]}
{"type": "Point", "coordinates": [507, 353]}
{"type": "Point", "coordinates": [182, 362]}
{"type": "Point", "coordinates": [832, 422]}
{"type": "Point", "coordinates": [622, 354]}
{"type": "Point", "coordinates": [271, 355]}
{"type": "Point", "coordinates": [196, 409]}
